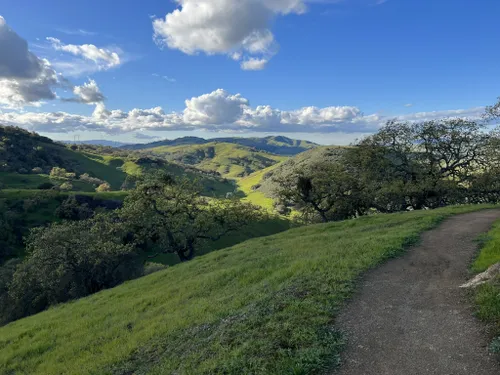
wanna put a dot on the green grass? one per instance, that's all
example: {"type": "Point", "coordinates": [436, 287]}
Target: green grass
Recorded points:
{"type": "Point", "coordinates": [487, 296]}
{"type": "Point", "coordinates": [490, 251]}
{"type": "Point", "coordinates": [104, 167]}
{"type": "Point", "coordinates": [32, 181]}
{"type": "Point", "coordinates": [230, 160]}
{"type": "Point", "coordinates": [266, 306]}
{"type": "Point", "coordinates": [254, 196]}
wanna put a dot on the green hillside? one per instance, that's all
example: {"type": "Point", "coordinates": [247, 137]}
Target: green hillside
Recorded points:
{"type": "Point", "coordinates": [26, 160]}
{"type": "Point", "coordinates": [227, 159]}
{"type": "Point", "coordinates": [266, 306]}
{"type": "Point", "coordinates": [274, 144]}
{"type": "Point", "coordinates": [267, 185]}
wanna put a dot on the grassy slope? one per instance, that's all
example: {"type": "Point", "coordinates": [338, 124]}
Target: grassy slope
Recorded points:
{"type": "Point", "coordinates": [488, 296]}
{"type": "Point", "coordinates": [303, 160]}
{"type": "Point", "coordinates": [255, 196]}
{"type": "Point", "coordinates": [266, 306]}
{"type": "Point", "coordinates": [230, 160]}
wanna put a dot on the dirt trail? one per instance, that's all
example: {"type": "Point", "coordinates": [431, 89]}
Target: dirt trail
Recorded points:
{"type": "Point", "coordinates": [410, 317]}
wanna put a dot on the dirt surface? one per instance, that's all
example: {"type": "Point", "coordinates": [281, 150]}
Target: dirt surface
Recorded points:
{"type": "Point", "coordinates": [411, 318]}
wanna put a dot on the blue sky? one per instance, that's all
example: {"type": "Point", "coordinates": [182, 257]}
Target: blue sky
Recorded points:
{"type": "Point", "coordinates": [328, 71]}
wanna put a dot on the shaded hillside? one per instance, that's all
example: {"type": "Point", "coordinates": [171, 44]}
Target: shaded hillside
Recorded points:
{"type": "Point", "coordinates": [274, 144]}
{"type": "Point", "coordinates": [227, 159]}
{"type": "Point", "coordinates": [26, 160]}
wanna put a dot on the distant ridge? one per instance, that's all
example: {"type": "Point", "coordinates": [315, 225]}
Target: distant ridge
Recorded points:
{"type": "Point", "coordinates": [279, 145]}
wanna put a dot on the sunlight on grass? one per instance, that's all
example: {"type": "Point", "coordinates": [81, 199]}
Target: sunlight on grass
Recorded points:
{"type": "Point", "coordinates": [488, 295]}
{"type": "Point", "coordinates": [253, 196]}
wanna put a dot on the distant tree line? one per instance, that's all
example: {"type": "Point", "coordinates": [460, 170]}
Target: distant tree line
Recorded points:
{"type": "Point", "coordinates": [404, 166]}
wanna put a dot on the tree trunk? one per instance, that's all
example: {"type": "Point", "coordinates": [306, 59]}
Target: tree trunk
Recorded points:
{"type": "Point", "coordinates": [187, 254]}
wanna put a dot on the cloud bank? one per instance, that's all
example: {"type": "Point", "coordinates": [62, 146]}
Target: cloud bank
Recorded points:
{"type": "Point", "coordinates": [218, 111]}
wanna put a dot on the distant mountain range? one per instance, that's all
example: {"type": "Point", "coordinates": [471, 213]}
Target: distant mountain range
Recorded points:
{"type": "Point", "coordinates": [274, 144]}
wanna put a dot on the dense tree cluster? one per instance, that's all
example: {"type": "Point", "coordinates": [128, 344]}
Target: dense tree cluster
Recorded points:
{"type": "Point", "coordinates": [92, 251]}
{"type": "Point", "coordinates": [25, 152]}
{"type": "Point", "coordinates": [403, 166]}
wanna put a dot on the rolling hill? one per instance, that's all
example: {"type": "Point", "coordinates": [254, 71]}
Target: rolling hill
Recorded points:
{"type": "Point", "coordinates": [266, 306]}
{"type": "Point", "coordinates": [26, 160]}
{"type": "Point", "coordinates": [228, 159]}
{"type": "Point", "coordinates": [264, 184]}
{"type": "Point", "coordinates": [274, 144]}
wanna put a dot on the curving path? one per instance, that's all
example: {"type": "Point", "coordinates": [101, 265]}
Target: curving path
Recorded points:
{"type": "Point", "coordinates": [409, 316]}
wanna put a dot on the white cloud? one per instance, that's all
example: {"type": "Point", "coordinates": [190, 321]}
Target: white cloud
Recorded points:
{"type": "Point", "coordinates": [408, 105]}
{"type": "Point", "coordinates": [88, 93]}
{"type": "Point", "coordinates": [216, 108]}
{"type": "Point", "coordinates": [24, 78]}
{"type": "Point", "coordinates": [471, 113]}
{"type": "Point", "coordinates": [89, 58]}
{"type": "Point", "coordinates": [254, 64]}
{"type": "Point", "coordinates": [237, 28]}
{"type": "Point", "coordinates": [218, 111]}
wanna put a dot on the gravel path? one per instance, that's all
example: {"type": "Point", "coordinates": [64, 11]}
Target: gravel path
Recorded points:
{"type": "Point", "coordinates": [409, 316]}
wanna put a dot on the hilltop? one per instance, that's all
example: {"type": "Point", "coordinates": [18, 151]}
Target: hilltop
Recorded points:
{"type": "Point", "coordinates": [228, 159]}
{"type": "Point", "coordinates": [264, 183]}
{"type": "Point", "coordinates": [274, 144]}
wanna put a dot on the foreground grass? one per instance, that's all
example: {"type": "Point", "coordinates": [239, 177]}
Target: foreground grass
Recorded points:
{"type": "Point", "coordinates": [266, 306]}
{"type": "Point", "coordinates": [488, 295]}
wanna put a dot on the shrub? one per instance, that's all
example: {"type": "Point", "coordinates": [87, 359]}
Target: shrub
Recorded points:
{"type": "Point", "coordinates": [70, 209]}
{"type": "Point", "coordinates": [91, 180]}
{"type": "Point", "coordinates": [66, 186]}
{"type": "Point", "coordinates": [103, 187]}
{"type": "Point", "coordinates": [61, 174]}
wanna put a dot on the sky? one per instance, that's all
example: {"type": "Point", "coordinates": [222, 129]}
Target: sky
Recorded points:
{"type": "Point", "coordinates": [330, 71]}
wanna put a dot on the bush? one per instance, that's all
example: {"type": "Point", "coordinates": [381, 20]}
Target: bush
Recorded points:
{"type": "Point", "coordinates": [66, 186]}
{"type": "Point", "coordinates": [91, 180]}
{"type": "Point", "coordinates": [70, 209]}
{"type": "Point", "coordinates": [61, 174]}
{"type": "Point", "coordinates": [103, 187]}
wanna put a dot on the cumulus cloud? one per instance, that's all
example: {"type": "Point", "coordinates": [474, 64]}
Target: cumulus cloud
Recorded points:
{"type": "Point", "coordinates": [253, 64]}
{"type": "Point", "coordinates": [90, 58]}
{"type": "Point", "coordinates": [216, 108]}
{"type": "Point", "coordinates": [88, 93]}
{"type": "Point", "coordinates": [218, 111]}
{"type": "Point", "coordinates": [24, 78]}
{"type": "Point", "coordinates": [240, 28]}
